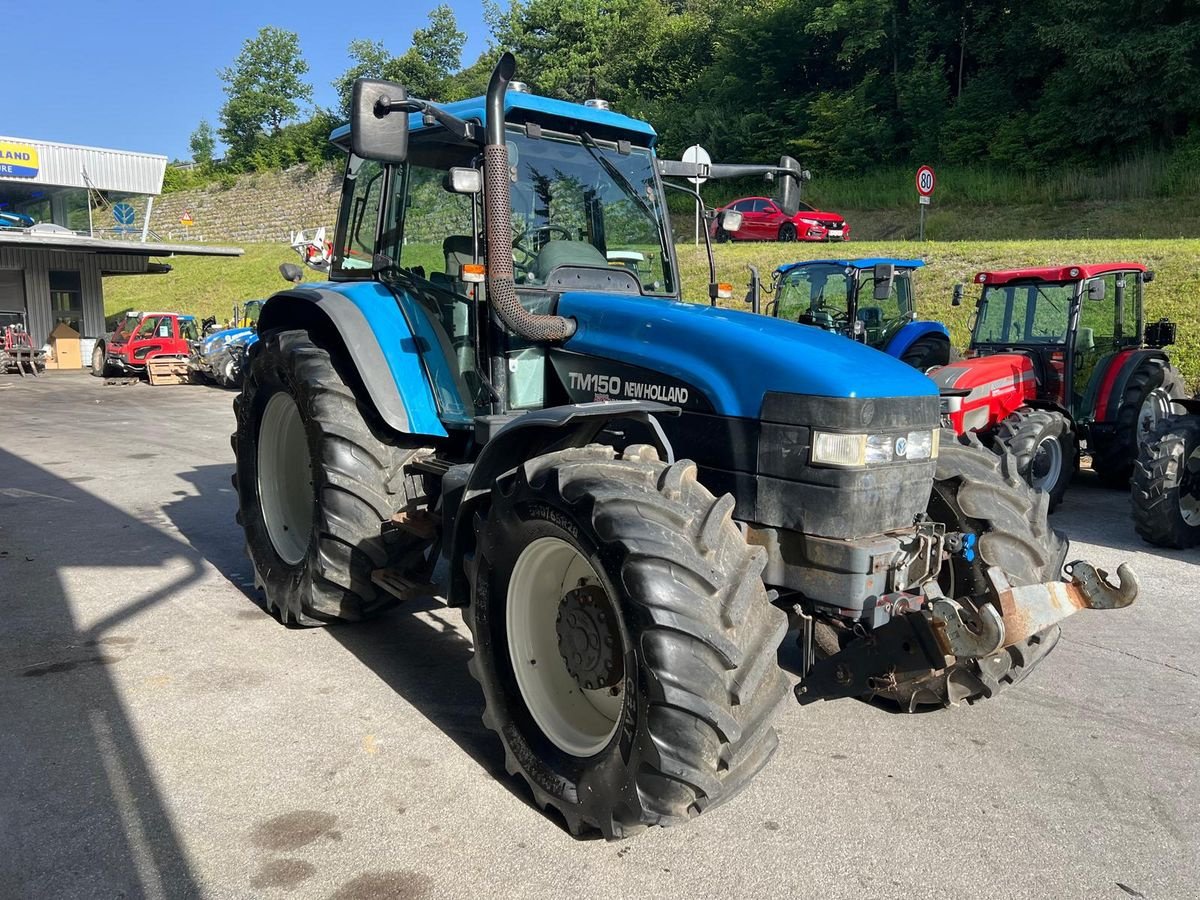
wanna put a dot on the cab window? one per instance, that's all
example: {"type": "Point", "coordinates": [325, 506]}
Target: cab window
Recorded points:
{"type": "Point", "coordinates": [362, 200]}
{"type": "Point", "coordinates": [147, 328]}
{"type": "Point", "coordinates": [818, 289]}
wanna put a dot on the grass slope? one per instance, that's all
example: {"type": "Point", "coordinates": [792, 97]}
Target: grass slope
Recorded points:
{"type": "Point", "coordinates": [209, 286]}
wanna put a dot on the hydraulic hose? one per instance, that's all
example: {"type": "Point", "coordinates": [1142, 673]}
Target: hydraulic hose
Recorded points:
{"type": "Point", "coordinates": [501, 289]}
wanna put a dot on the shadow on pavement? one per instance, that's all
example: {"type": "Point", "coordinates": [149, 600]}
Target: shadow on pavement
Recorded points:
{"type": "Point", "coordinates": [414, 648]}
{"type": "Point", "coordinates": [80, 811]}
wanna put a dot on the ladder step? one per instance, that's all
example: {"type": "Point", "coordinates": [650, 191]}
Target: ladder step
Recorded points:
{"type": "Point", "coordinates": [400, 586]}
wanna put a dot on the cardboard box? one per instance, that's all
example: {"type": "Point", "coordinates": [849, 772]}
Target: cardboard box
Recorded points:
{"type": "Point", "coordinates": [64, 348]}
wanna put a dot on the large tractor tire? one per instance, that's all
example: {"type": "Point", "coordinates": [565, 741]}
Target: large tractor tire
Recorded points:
{"type": "Point", "coordinates": [1166, 484]}
{"type": "Point", "coordinates": [980, 494]}
{"type": "Point", "coordinates": [1045, 449]}
{"type": "Point", "coordinates": [927, 352]}
{"type": "Point", "coordinates": [623, 638]}
{"type": "Point", "coordinates": [315, 483]}
{"type": "Point", "coordinates": [1145, 402]}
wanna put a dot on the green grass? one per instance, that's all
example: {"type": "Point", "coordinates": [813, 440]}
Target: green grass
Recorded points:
{"type": "Point", "coordinates": [210, 285]}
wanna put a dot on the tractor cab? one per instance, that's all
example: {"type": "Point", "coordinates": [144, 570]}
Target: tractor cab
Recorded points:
{"type": "Point", "coordinates": [867, 300]}
{"type": "Point", "coordinates": [1058, 325]}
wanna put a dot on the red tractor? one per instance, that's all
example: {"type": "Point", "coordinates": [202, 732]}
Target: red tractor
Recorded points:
{"type": "Point", "coordinates": [141, 335]}
{"type": "Point", "coordinates": [1061, 359]}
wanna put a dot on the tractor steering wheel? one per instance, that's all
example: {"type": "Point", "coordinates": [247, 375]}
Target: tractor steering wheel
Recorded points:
{"type": "Point", "coordinates": [531, 255]}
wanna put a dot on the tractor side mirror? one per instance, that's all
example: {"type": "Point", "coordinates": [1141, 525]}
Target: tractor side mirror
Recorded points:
{"type": "Point", "coordinates": [291, 273]}
{"type": "Point", "coordinates": [379, 121]}
{"type": "Point", "coordinates": [791, 176]}
{"type": "Point", "coordinates": [885, 277]}
{"type": "Point", "coordinates": [1147, 276]}
{"type": "Point", "coordinates": [957, 298]}
{"type": "Point", "coordinates": [1096, 289]}
{"type": "Point", "coordinates": [731, 221]}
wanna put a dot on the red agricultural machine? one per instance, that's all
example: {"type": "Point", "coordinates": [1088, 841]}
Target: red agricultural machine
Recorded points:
{"type": "Point", "coordinates": [17, 353]}
{"type": "Point", "coordinates": [1062, 360]}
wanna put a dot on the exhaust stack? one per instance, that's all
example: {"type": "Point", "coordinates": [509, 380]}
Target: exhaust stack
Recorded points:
{"type": "Point", "coordinates": [501, 289]}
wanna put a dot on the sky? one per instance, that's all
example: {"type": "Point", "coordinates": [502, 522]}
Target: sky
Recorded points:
{"type": "Point", "coordinates": [141, 74]}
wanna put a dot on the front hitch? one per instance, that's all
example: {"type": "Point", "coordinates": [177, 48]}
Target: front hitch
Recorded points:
{"type": "Point", "coordinates": [944, 631]}
{"type": "Point", "coordinates": [1027, 610]}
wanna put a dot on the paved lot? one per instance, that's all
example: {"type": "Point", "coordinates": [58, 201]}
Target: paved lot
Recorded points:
{"type": "Point", "coordinates": [161, 736]}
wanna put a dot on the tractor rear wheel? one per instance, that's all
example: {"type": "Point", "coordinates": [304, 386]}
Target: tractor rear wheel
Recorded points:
{"type": "Point", "coordinates": [927, 352]}
{"type": "Point", "coordinates": [1044, 447]}
{"type": "Point", "coordinates": [315, 483]}
{"type": "Point", "coordinates": [1145, 401]}
{"type": "Point", "coordinates": [1166, 484]}
{"type": "Point", "coordinates": [979, 494]}
{"type": "Point", "coordinates": [623, 638]}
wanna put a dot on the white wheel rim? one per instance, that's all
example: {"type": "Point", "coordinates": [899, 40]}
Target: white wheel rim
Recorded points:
{"type": "Point", "coordinates": [1189, 489]}
{"type": "Point", "coordinates": [1155, 408]}
{"type": "Point", "coordinates": [285, 487]}
{"type": "Point", "coordinates": [1048, 456]}
{"type": "Point", "coordinates": [577, 721]}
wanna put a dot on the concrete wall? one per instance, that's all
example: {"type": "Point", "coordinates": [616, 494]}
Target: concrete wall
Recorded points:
{"type": "Point", "coordinates": [260, 207]}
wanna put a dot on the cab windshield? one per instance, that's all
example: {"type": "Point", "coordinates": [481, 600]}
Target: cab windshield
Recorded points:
{"type": "Point", "coordinates": [581, 202]}
{"type": "Point", "coordinates": [1028, 313]}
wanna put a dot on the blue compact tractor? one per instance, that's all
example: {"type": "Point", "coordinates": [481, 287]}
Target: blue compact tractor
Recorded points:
{"type": "Point", "coordinates": [869, 300]}
{"type": "Point", "coordinates": [632, 494]}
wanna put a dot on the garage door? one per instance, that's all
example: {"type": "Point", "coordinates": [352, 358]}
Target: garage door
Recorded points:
{"type": "Point", "coordinates": [12, 297]}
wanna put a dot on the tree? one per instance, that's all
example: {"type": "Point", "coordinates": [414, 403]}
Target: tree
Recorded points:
{"type": "Point", "coordinates": [425, 69]}
{"type": "Point", "coordinates": [202, 143]}
{"type": "Point", "coordinates": [264, 87]}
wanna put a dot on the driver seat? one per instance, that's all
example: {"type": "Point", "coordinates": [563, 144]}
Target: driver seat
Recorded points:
{"type": "Point", "coordinates": [566, 253]}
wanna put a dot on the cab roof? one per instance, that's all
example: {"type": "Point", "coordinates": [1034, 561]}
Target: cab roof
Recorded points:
{"type": "Point", "coordinates": [522, 107]}
{"type": "Point", "coordinates": [1057, 273]}
{"type": "Point", "coordinates": [869, 262]}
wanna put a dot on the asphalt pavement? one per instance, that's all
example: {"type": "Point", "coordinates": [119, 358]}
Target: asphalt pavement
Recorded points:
{"type": "Point", "coordinates": [161, 736]}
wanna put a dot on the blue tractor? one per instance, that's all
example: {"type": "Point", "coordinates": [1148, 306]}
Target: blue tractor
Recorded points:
{"type": "Point", "coordinates": [632, 494]}
{"type": "Point", "coordinates": [221, 355]}
{"type": "Point", "coordinates": [869, 300]}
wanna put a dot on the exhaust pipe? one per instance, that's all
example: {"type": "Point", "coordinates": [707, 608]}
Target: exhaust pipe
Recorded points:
{"type": "Point", "coordinates": [501, 289]}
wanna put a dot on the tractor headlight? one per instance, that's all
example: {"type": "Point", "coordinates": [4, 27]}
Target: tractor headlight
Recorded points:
{"type": "Point", "coordinates": [852, 450]}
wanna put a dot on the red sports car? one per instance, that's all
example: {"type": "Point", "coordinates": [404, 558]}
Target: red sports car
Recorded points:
{"type": "Point", "coordinates": [763, 220]}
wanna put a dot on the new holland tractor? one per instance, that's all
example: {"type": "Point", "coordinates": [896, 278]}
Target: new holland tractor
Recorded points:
{"type": "Point", "coordinates": [1166, 480]}
{"type": "Point", "coordinates": [633, 494]}
{"type": "Point", "coordinates": [868, 300]}
{"type": "Point", "coordinates": [1060, 359]}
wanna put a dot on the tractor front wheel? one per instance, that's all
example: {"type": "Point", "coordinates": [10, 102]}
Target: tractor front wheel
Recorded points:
{"type": "Point", "coordinates": [979, 495]}
{"type": "Point", "coordinates": [1166, 484]}
{"type": "Point", "coordinates": [315, 483]}
{"type": "Point", "coordinates": [1044, 447]}
{"type": "Point", "coordinates": [99, 360]}
{"type": "Point", "coordinates": [624, 640]}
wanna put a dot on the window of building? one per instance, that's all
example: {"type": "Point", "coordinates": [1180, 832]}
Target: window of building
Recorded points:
{"type": "Point", "coordinates": [66, 299]}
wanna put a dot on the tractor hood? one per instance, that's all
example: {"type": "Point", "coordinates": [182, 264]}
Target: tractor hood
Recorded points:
{"type": "Point", "coordinates": [982, 391]}
{"type": "Point", "coordinates": [733, 357]}
{"type": "Point", "coordinates": [986, 375]}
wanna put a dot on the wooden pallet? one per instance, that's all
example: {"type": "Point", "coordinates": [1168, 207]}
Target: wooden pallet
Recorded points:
{"type": "Point", "coordinates": [168, 370]}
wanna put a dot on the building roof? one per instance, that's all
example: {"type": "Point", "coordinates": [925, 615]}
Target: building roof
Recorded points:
{"type": "Point", "coordinates": [1057, 273]}
{"type": "Point", "coordinates": [26, 161]}
{"type": "Point", "coordinates": [69, 242]}
{"type": "Point", "coordinates": [864, 263]}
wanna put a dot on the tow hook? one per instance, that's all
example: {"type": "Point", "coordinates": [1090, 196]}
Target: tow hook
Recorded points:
{"type": "Point", "coordinates": [1027, 610]}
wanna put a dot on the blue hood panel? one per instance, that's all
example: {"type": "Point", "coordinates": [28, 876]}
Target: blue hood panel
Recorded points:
{"type": "Point", "coordinates": [734, 357]}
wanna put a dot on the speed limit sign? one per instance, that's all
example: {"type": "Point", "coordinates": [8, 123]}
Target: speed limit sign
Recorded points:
{"type": "Point", "coordinates": [925, 181]}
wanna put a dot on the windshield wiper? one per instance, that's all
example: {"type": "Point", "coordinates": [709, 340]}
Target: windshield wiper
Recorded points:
{"type": "Point", "coordinates": [593, 149]}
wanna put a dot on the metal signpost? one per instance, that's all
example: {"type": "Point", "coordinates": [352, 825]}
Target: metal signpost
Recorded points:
{"type": "Point", "coordinates": [926, 181]}
{"type": "Point", "coordinates": [698, 155]}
